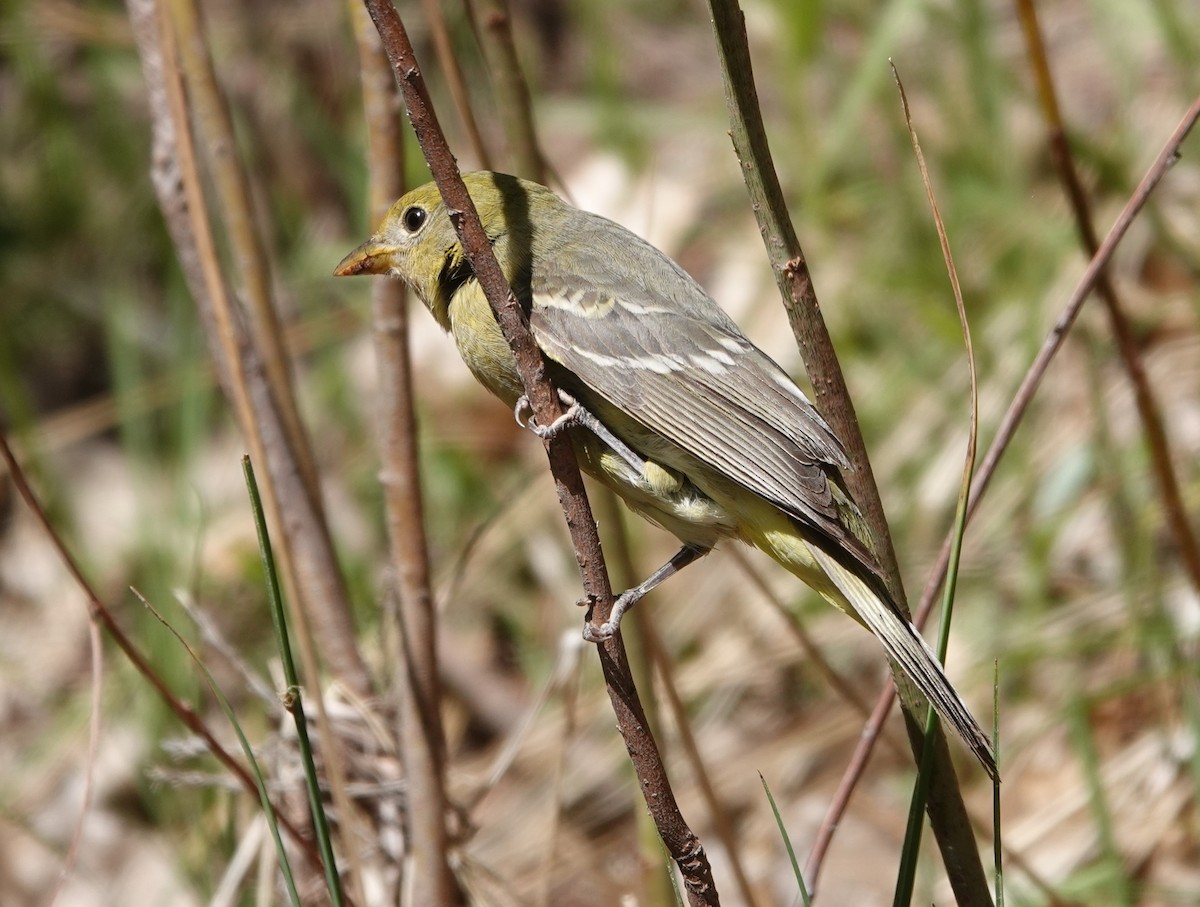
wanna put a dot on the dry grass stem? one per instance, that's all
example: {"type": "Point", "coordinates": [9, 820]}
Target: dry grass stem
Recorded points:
{"type": "Point", "coordinates": [418, 682]}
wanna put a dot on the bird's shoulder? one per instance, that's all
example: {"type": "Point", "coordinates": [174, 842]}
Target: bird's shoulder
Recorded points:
{"type": "Point", "coordinates": [592, 265]}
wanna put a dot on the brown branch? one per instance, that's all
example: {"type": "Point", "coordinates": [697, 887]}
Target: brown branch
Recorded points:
{"type": "Point", "coordinates": [422, 740]}
{"type": "Point", "coordinates": [1158, 444]}
{"type": "Point", "coordinates": [101, 614]}
{"type": "Point", "coordinates": [681, 843]}
{"type": "Point", "coordinates": [947, 813]}
{"type": "Point", "coordinates": [277, 441]}
{"type": "Point", "coordinates": [310, 569]}
{"type": "Point", "coordinates": [850, 777]}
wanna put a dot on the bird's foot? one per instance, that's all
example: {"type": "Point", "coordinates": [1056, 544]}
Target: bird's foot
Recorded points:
{"type": "Point", "coordinates": [576, 414]}
{"type": "Point", "coordinates": [630, 597]}
{"type": "Point", "coordinates": [573, 415]}
{"type": "Point", "coordinates": [599, 633]}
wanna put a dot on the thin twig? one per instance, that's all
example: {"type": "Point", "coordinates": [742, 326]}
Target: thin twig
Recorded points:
{"type": "Point", "coordinates": [812, 652]}
{"type": "Point", "coordinates": [454, 80]}
{"type": "Point", "coordinates": [1054, 340]}
{"type": "Point", "coordinates": [721, 821]}
{"type": "Point", "coordinates": [1157, 442]}
{"type": "Point", "coordinates": [494, 28]}
{"type": "Point", "coordinates": [212, 636]}
{"type": "Point", "coordinates": [684, 847]}
{"type": "Point", "coordinates": [566, 668]}
{"type": "Point", "coordinates": [101, 614]}
{"type": "Point", "coordinates": [846, 787]}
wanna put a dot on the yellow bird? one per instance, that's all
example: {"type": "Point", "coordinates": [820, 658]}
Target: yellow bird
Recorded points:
{"type": "Point", "coordinates": [670, 405]}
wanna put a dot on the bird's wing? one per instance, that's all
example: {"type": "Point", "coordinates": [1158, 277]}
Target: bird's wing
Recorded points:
{"type": "Point", "coordinates": [683, 370]}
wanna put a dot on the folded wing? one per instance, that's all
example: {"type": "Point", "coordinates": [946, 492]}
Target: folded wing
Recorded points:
{"type": "Point", "coordinates": [683, 369]}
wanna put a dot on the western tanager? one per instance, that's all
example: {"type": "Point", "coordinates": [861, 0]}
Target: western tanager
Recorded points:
{"type": "Point", "coordinates": [673, 408]}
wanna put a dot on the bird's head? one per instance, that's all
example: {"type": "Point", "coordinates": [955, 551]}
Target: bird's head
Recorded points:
{"type": "Point", "coordinates": [417, 242]}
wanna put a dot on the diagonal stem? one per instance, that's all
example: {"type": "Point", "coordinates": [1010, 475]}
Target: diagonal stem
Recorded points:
{"type": "Point", "coordinates": [1157, 442]}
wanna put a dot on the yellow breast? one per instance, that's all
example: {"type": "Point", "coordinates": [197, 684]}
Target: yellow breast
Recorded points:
{"type": "Point", "coordinates": [481, 344]}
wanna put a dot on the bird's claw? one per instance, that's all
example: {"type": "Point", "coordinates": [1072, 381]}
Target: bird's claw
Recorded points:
{"type": "Point", "coordinates": [606, 630]}
{"type": "Point", "coordinates": [577, 414]}
{"type": "Point", "coordinates": [569, 417]}
{"type": "Point", "coordinates": [599, 633]}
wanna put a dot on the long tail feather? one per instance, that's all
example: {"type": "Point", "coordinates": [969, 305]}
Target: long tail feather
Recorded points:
{"type": "Point", "coordinates": [909, 650]}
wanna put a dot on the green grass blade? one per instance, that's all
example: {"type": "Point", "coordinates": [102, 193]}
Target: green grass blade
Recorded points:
{"type": "Point", "coordinates": [997, 847]}
{"type": "Point", "coordinates": [293, 701]}
{"type": "Point", "coordinates": [787, 842]}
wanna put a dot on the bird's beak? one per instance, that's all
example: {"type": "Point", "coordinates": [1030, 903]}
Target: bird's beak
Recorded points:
{"type": "Point", "coordinates": [369, 258]}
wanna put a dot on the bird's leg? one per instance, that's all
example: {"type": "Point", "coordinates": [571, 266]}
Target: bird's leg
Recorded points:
{"type": "Point", "coordinates": [630, 597]}
{"type": "Point", "coordinates": [577, 414]}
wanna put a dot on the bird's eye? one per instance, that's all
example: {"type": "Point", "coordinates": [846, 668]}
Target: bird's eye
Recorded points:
{"type": "Point", "coordinates": [413, 218]}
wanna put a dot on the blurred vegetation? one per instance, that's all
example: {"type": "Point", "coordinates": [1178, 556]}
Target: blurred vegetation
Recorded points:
{"type": "Point", "coordinates": [1070, 578]}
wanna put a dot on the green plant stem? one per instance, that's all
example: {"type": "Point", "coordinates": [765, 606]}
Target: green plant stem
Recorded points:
{"type": "Point", "coordinates": [912, 839]}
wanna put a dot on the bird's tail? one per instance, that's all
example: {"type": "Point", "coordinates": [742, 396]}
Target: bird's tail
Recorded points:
{"type": "Point", "coordinates": [908, 649]}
